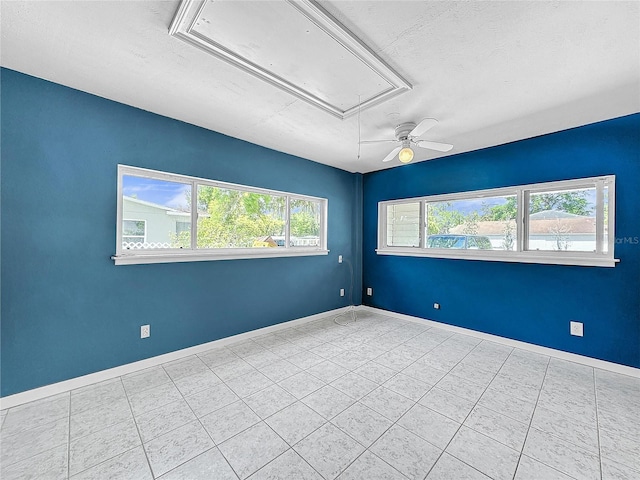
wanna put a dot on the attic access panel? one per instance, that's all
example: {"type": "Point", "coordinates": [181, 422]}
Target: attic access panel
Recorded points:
{"type": "Point", "coordinates": [293, 45]}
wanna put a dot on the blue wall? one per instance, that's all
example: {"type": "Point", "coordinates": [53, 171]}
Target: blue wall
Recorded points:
{"type": "Point", "coordinates": [528, 302]}
{"type": "Point", "coordinates": [66, 309]}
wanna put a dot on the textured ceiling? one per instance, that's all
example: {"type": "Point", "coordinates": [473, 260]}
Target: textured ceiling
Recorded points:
{"type": "Point", "coordinates": [490, 72]}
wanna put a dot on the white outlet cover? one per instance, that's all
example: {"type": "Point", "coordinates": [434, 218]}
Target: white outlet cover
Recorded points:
{"type": "Point", "coordinates": [577, 329]}
{"type": "Point", "coordinates": [342, 292]}
{"type": "Point", "coordinates": [339, 258]}
{"type": "Point", "coordinates": [369, 291]}
{"type": "Point", "coordinates": [145, 331]}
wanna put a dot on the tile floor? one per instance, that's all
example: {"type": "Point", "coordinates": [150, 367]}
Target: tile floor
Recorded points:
{"type": "Point", "coordinates": [380, 399]}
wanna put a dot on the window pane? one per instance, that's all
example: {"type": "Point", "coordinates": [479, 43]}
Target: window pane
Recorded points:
{"type": "Point", "coordinates": [236, 219]}
{"type": "Point", "coordinates": [305, 224]}
{"type": "Point", "coordinates": [133, 231]}
{"type": "Point", "coordinates": [133, 228]}
{"type": "Point", "coordinates": [151, 210]}
{"type": "Point", "coordinates": [563, 220]}
{"type": "Point", "coordinates": [487, 223]}
{"type": "Point", "coordinates": [403, 225]}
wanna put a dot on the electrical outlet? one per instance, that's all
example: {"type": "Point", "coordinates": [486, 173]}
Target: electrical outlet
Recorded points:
{"type": "Point", "coordinates": [369, 291]}
{"type": "Point", "coordinates": [339, 258]}
{"type": "Point", "coordinates": [342, 292]}
{"type": "Point", "coordinates": [436, 306]}
{"type": "Point", "coordinates": [576, 328]}
{"type": "Point", "coordinates": [145, 331]}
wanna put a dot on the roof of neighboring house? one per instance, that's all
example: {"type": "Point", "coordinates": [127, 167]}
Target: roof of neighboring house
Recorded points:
{"type": "Point", "coordinates": [563, 225]}
{"type": "Point", "coordinates": [549, 214]}
{"type": "Point", "coordinates": [574, 224]}
{"type": "Point", "coordinates": [168, 210]}
{"type": "Point", "coordinates": [267, 240]}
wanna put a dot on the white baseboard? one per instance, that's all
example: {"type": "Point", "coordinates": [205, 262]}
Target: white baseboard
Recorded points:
{"type": "Point", "coordinates": [571, 357]}
{"type": "Point", "coordinates": [67, 385]}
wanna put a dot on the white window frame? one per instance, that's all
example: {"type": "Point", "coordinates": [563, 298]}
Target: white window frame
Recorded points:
{"type": "Point", "coordinates": [193, 254]}
{"type": "Point", "coordinates": [520, 253]}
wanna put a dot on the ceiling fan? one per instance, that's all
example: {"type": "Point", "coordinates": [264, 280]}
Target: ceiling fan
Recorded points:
{"type": "Point", "coordinates": [407, 136]}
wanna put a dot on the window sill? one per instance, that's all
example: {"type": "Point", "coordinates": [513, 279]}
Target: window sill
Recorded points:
{"type": "Point", "coordinates": [164, 257]}
{"type": "Point", "coordinates": [514, 257]}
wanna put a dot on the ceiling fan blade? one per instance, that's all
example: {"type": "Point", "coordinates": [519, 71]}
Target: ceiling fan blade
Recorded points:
{"type": "Point", "coordinates": [366, 142]}
{"type": "Point", "coordinates": [440, 147]}
{"type": "Point", "coordinates": [392, 154]}
{"type": "Point", "coordinates": [423, 126]}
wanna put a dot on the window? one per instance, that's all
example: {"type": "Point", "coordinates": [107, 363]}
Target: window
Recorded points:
{"type": "Point", "coordinates": [230, 218]}
{"type": "Point", "coordinates": [403, 225]}
{"type": "Point", "coordinates": [183, 227]}
{"type": "Point", "coordinates": [159, 205]}
{"type": "Point", "coordinates": [305, 218]}
{"type": "Point", "coordinates": [567, 222]}
{"type": "Point", "coordinates": [133, 233]}
{"type": "Point", "coordinates": [485, 222]}
{"type": "Point", "coordinates": [158, 222]}
{"type": "Point", "coordinates": [562, 220]}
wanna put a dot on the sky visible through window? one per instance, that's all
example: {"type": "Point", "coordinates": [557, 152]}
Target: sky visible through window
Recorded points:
{"type": "Point", "coordinates": [160, 192]}
{"type": "Point", "coordinates": [479, 205]}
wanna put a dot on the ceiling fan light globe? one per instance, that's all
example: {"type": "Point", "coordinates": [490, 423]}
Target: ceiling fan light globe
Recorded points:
{"type": "Point", "coordinates": [405, 155]}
